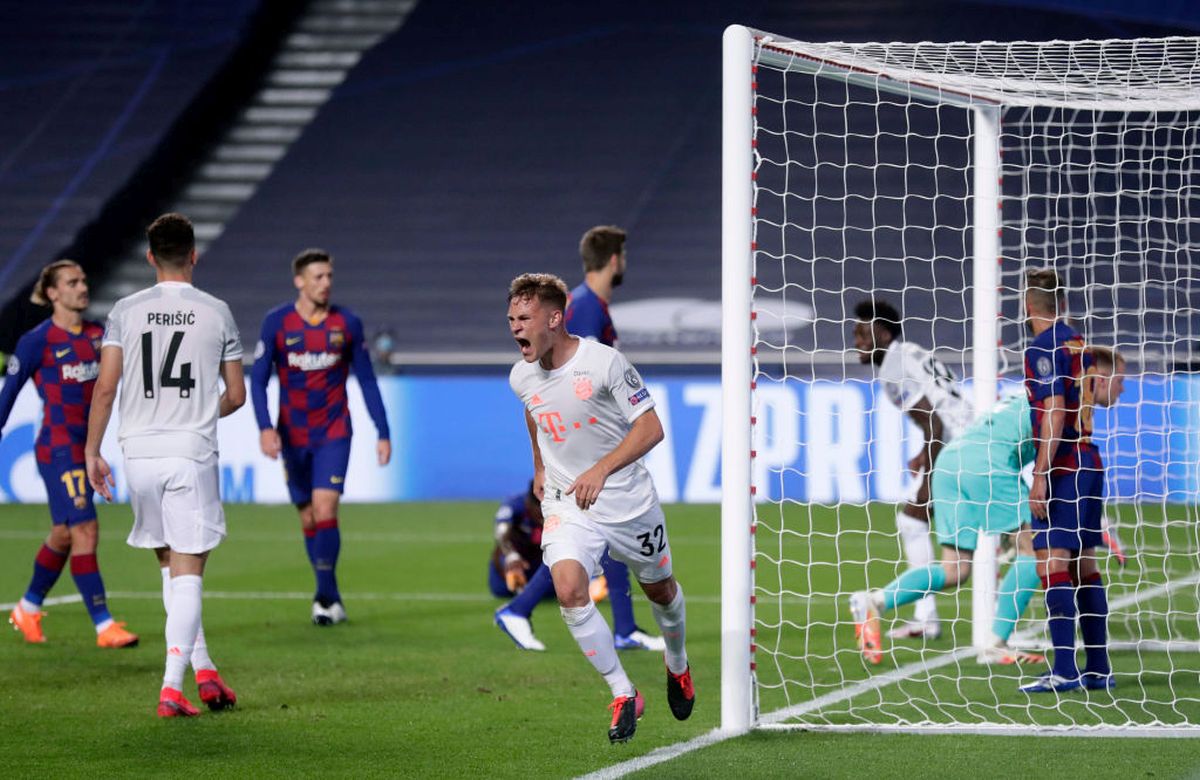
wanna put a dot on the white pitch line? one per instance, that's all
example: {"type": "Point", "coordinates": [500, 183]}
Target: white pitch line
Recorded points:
{"type": "Point", "coordinates": [774, 720]}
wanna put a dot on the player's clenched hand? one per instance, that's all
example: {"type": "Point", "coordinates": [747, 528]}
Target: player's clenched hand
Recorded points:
{"type": "Point", "coordinates": [384, 450]}
{"type": "Point", "coordinates": [586, 488]}
{"type": "Point", "coordinates": [100, 476]}
{"type": "Point", "coordinates": [1039, 504]}
{"type": "Point", "coordinates": [269, 441]}
{"type": "Point", "coordinates": [514, 576]}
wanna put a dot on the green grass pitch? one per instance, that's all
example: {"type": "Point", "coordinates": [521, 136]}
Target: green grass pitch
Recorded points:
{"type": "Point", "coordinates": [420, 683]}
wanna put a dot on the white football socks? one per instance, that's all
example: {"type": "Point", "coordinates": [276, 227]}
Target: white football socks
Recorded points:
{"type": "Point", "coordinates": [672, 622]}
{"type": "Point", "coordinates": [200, 657]}
{"type": "Point", "coordinates": [595, 639]}
{"type": "Point", "coordinates": [918, 550]}
{"type": "Point", "coordinates": [183, 622]}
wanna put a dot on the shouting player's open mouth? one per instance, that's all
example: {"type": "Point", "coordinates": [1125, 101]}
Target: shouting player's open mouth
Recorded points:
{"type": "Point", "coordinates": [525, 345]}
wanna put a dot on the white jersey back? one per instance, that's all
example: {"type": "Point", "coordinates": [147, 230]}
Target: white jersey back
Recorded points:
{"type": "Point", "coordinates": [173, 339]}
{"type": "Point", "coordinates": [583, 410]}
{"type": "Point", "coordinates": [910, 372]}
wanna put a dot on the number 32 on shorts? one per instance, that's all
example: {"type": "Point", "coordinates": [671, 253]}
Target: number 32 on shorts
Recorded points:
{"type": "Point", "coordinates": [653, 542]}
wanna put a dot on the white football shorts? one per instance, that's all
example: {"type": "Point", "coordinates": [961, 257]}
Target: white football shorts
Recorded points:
{"type": "Point", "coordinates": [641, 542]}
{"type": "Point", "coordinates": [176, 503]}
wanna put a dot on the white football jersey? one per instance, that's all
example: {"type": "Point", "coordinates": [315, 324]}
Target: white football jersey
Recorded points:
{"type": "Point", "coordinates": [910, 372]}
{"type": "Point", "coordinates": [173, 339]}
{"type": "Point", "coordinates": [583, 410]}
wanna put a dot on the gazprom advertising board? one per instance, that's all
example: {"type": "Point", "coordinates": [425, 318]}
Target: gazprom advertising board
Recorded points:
{"type": "Point", "coordinates": [822, 441]}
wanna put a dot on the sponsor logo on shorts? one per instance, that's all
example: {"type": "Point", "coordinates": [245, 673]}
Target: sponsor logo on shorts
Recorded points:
{"type": "Point", "coordinates": [337, 480]}
{"type": "Point", "coordinates": [80, 502]}
{"type": "Point", "coordinates": [639, 396]}
{"type": "Point", "coordinates": [551, 525]}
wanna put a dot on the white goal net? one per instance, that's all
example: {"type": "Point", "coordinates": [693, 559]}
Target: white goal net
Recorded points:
{"type": "Point", "coordinates": [933, 177]}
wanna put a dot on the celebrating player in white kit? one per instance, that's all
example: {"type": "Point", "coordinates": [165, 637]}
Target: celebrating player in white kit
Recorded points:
{"type": "Point", "coordinates": [926, 390]}
{"type": "Point", "coordinates": [590, 420]}
{"type": "Point", "coordinates": [169, 346]}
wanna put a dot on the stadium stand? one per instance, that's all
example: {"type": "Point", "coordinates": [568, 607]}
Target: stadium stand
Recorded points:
{"type": "Point", "coordinates": [89, 89]}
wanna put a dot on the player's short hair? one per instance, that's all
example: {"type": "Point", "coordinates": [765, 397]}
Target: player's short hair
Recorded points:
{"type": "Point", "coordinates": [546, 288]}
{"type": "Point", "coordinates": [307, 258]}
{"type": "Point", "coordinates": [1045, 291]}
{"type": "Point", "coordinates": [47, 279]}
{"type": "Point", "coordinates": [599, 244]}
{"type": "Point", "coordinates": [1107, 357]}
{"type": "Point", "coordinates": [875, 310]}
{"type": "Point", "coordinates": [172, 239]}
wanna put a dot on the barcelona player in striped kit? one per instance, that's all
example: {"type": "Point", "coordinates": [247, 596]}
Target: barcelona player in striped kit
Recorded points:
{"type": "Point", "coordinates": [62, 355]}
{"type": "Point", "coordinates": [313, 345]}
{"type": "Point", "coordinates": [1067, 494]}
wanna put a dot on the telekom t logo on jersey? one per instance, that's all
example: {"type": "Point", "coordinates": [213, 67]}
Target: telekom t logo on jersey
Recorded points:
{"type": "Point", "coordinates": [551, 423]}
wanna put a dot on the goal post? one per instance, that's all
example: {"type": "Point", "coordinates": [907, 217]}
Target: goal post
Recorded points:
{"type": "Point", "coordinates": [934, 175]}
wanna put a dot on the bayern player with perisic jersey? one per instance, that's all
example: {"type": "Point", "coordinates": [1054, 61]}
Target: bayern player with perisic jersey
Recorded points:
{"type": "Point", "coordinates": [927, 392]}
{"type": "Point", "coordinates": [62, 355]}
{"type": "Point", "coordinates": [313, 345]}
{"type": "Point", "coordinates": [1067, 495]}
{"type": "Point", "coordinates": [590, 420]}
{"type": "Point", "coordinates": [169, 348]}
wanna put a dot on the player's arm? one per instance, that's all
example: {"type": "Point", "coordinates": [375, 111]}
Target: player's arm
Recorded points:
{"type": "Point", "coordinates": [361, 363]}
{"type": "Point", "coordinates": [20, 367]}
{"type": "Point", "coordinates": [539, 469]}
{"type": "Point", "coordinates": [1049, 436]}
{"type": "Point", "coordinates": [260, 375]}
{"type": "Point", "coordinates": [103, 395]}
{"type": "Point", "coordinates": [234, 396]}
{"type": "Point", "coordinates": [645, 432]}
{"type": "Point", "coordinates": [932, 432]}
{"type": "Point", "coordinates": [513, 564]}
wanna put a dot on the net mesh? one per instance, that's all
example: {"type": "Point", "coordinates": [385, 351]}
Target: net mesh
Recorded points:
{"type": "Point", "coordinates": [863, 189]}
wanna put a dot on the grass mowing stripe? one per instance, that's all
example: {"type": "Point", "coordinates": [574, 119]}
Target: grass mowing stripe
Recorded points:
{"type": "Point", "coordinates": [774, 720]}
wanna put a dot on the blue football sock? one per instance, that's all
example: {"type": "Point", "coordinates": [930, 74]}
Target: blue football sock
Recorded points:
{"type": "Point", "coordinates": [310, 546]}
{"type": "Point", "coordinates": [1060, 606]}
{"type": "Point", "coordinates": [86, 572]}
{"type": "Point", "coordinates": [540, 586]}
{"type": "Point", "coordinates": [326, 546]}
{"type": "Point", "coordinates": [1014, 594]}
{"type": "Point", "coordinates": [1093, 623]}
{"type": "Point", "coordinates": [47, 567]}
{"type": "Point", "coordinates": [912, 585]}
{"type": "Point", "coordinates": [617, 574]}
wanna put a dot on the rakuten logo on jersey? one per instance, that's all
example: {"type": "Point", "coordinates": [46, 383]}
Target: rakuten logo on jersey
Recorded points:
{"type": "Point", "coordinates": [313, 361]}
{"type": "Point", "coordinates": [81, 372]}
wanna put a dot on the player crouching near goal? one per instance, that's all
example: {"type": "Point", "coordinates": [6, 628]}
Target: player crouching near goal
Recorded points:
{"type": "Point", "coordinates": [590, 421]}
{"type": "Point", "coordinates": [978, 489]}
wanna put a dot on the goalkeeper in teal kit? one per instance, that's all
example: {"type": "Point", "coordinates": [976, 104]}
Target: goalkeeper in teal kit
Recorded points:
{"type": "Point", "coordinates": [977, 489]}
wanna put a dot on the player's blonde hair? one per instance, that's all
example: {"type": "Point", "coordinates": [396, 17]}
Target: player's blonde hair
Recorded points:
{"type": "Point", "coordinates": [546, 288]}
{"type": "Point", "coordinates": [47, 279]}
{"type": "Point", "coordinates": [1107, 357]}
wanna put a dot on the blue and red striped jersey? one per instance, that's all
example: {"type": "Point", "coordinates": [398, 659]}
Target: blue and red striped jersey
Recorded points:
{"type": "Point", "coordinates": [1058, 363]}
{"type": "Point", "coordinates": [587, 316]}
{"type": "Point", "coordinates": [312, 362]}
{"type": "Point", "coordinates": [64, 366]}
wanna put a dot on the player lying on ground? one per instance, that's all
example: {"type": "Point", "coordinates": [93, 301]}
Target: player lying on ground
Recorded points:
{"type": "Point", "coordinates": [1066, 380]}
{"type": "Point", "coordinates": [63, 357]}
{"type": "Point", "coordinates": [925, 390]}
{"type": "Point", "coordinates": [313, 344]}
{"type": "Point", "coordinates": [977, 489]}
{"type": "Point", "coordinates": [169, 347]}
{"type": "Point", "coordinates": [590, 421]}
{"type": "Point", "coordinates": [602, 249]}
